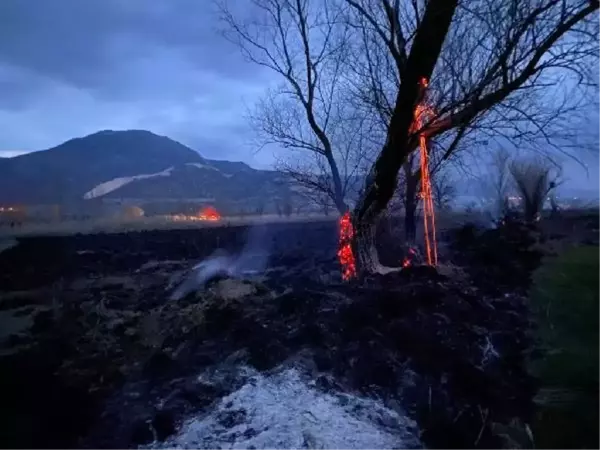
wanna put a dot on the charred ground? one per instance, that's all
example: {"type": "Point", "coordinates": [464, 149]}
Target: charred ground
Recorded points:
{"type": "Point", "coordinates": [98, 357]}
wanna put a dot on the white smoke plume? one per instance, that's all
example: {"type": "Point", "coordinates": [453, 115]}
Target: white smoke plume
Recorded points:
{"type": "Point", "coordinates": [251, 260]}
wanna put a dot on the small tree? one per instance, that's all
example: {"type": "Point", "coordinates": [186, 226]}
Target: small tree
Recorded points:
{"type": "Point", "coordinates": [495, 184]}
{"type": "Point", "coordinates": [287, 207]}
{"type": "Point", "coordinates": [260, 208]}
{"type": "Point", "coordinates": [533, 179]}
{"type": "Point", "coordinates": [304, 42]}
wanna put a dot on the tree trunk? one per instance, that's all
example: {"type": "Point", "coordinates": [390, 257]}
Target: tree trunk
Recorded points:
{"type": "Point", "coordinates": [365, 249]}
{"type": "Point", "coordinates": [382, 180]}
{"type": "Point", "coordinates": [410, 222]}
{"type": "Point", "coordinates": [411, 201]}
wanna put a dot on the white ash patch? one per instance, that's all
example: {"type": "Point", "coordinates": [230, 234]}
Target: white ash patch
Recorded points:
{"type": "Point", "coordinates": [283, 410]}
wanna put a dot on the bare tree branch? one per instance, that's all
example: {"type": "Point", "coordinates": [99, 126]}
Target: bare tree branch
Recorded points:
{"type": "Point", "coordinates": [490, 77]}
{"type": "Point", "coordinates": [534, 179]}
{"type": "Point", "coordinates": [421, 63]}
{"type": "Point", "coordinates": [303, 41]}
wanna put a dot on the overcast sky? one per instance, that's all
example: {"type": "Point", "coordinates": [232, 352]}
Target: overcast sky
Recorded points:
{"type": "Point", "coordinates": [72, 67]}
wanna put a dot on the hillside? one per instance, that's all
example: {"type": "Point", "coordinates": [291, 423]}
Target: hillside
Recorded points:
{"type": "Point", "coordinates": [133, 164]}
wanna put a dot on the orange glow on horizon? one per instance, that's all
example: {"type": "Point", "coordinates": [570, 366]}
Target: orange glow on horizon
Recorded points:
{"type": "Point", "coordinates": [209, 213]}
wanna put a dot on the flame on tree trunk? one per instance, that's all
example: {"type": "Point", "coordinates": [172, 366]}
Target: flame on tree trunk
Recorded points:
{"type": "Point", "coordinates": [368, 252]}
{"type": "Point", "coordinates": [411, 254]}
{"type": "Point", "coordinates": [345, 251]}
{"type": "Point", "coordinates": [400, 142]}
{"type": "Point", "coordinates": [346, 254]}
{"type": "Point", "coordinates": [428, 211]}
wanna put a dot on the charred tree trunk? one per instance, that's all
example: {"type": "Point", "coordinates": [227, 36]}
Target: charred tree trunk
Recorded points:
{"type": "Point", "coordinates": [382, 179]}
{"type": "Point", "coordinates": [410, 222]}
{"type": "Point", "coordinates": [411, 202]}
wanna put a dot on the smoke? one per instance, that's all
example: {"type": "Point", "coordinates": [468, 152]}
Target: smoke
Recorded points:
{"type": "Point", "coordinates": [250, 261]}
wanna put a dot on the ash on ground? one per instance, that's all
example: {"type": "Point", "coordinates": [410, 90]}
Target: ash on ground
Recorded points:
{"type": "Point", "coordinates": [415, 358]}
{"type": "Point", "coordinates": [286, 410]}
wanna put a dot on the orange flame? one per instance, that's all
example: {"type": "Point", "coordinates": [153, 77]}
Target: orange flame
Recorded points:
{"type": "Point", "coordinates": [428, 211]}
{"type": "Point", "coordinates": [209, 213]}
{"type": "Point", "coordinates": [205, 214]}
{"type": "Point", "coordinates": [345, 253]}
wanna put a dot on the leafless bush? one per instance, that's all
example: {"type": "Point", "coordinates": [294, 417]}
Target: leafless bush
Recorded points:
{"type": "Point", "coordinates": [533, 179]}
{"type": "Point", "coordinates": [260, 209]}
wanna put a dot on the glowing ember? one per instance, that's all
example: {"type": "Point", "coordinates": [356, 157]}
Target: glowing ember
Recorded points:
{"type": "Point", "coordinates": [428, 212]}
{"type": "Point", "coordinates": [345, 254]}
{"type": "Point", "coordinates": [408, 259]}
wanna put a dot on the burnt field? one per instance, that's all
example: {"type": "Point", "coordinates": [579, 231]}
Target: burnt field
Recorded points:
{"type": "Point", "coordinates": [95, 353]}
{"type": "Point", "coordinates": [45, 259]}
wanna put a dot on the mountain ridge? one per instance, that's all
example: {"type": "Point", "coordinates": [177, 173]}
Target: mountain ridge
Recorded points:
{"type": "Point", "coordinates": [133, 164]}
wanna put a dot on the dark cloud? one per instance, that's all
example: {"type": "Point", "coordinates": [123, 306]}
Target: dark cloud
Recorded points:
{"type": "Point", "coordinates": [71, 67]}
{"type": "Point", "coordinates": [84, 42]}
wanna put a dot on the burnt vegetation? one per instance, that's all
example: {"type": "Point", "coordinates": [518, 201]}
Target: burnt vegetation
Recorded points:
{"type": "Point", "coordinates": [351, 71]}
{"type": "Point", "coordinates": [96, 353]}
{"type": "Point", "coordinates": [106, 347]}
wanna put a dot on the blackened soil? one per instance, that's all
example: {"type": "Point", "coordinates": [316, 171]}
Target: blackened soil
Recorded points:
{"type": "Point", "coordinates": [97, 363]}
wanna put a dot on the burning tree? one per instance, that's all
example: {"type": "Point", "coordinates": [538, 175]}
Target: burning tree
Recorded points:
{"type": "Point", "coordinates": [487, 61]}
{"type": "Point", "coordinates": [375, 82]}
{"type": "Point", "coordinates": [487, 64]}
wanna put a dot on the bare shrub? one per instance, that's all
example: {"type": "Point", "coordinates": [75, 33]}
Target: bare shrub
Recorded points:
{"type": "Point", "coordinates": [533, 180]}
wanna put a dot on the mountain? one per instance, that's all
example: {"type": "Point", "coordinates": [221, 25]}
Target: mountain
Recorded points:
{"type": "Point", "coordinates": [134, 164]}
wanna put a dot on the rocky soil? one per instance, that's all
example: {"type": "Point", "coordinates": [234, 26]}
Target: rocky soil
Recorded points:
{"type": "Point", "coordinates": [94, 354]}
